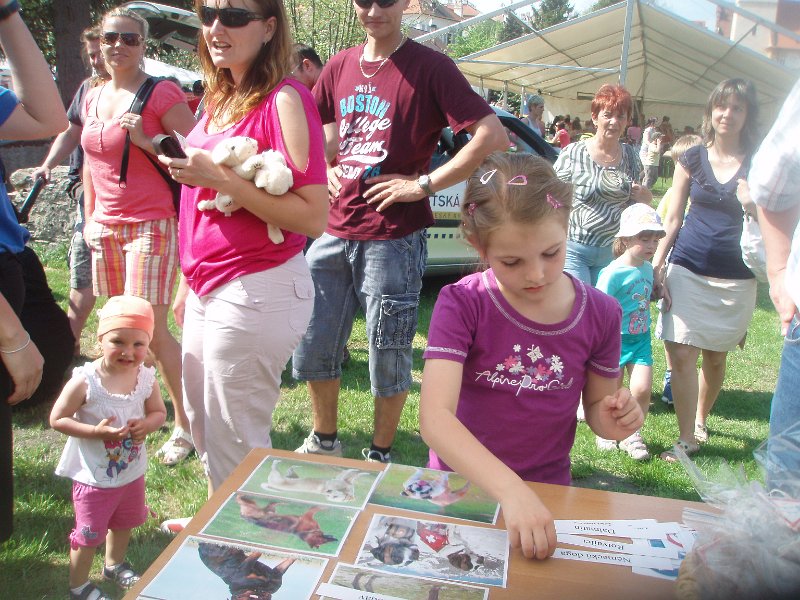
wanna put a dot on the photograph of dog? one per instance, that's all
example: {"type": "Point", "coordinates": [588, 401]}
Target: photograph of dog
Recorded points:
{"type": "Point", "coordinates": [283, 523]}
{"type": "Point", "coordinates": [221, 570]}
{"type": "Point", "coordinates": [245, 576]}
{"type": "Point", "coordinates": [434, 492]}
{"type": "Point", "coordinates": [312, 482]}
{"type": "Point", "coordinates": [465, 553]}
{"type": "Point", "coordinates": [398, 586]}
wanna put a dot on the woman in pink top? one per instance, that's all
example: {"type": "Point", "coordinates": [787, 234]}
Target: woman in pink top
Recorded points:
{"type": "Point", "coordinates": [131, 225]}
{"type": "Point", "coordinates": [245, 301]}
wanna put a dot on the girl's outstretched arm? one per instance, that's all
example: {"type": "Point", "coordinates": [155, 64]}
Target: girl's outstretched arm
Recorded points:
{"type": "Point", "coordinates": [528, 521]}
{"type": "Point", "coordinates": [611, 412]}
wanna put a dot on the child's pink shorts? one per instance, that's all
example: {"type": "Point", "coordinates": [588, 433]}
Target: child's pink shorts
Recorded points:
{"type": "Point", "coordinates": [99, 509]}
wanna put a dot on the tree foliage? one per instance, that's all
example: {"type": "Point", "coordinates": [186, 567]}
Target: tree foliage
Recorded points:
{"type": "Point", "coordinates": [328, 26]}
{"type": "Point", "coordinates": [551, 12]}
{"type": "Point", "coordinates": [603, 4]}
{"type": "Point", "coordinates": [56, 25]}
{"type": "Point", "coordinates": [478, 37]}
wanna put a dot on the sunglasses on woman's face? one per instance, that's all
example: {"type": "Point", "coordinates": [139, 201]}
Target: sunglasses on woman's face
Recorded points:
{"type": "Point", "coordinates": [110, 38]}
{"type": "Point", "coordinates": [381, 3]}
{"type": "Point", "coordinates": [229, 17]}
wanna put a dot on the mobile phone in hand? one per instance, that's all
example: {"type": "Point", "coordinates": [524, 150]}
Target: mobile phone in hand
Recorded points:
{"type": "Point", "coordinates": [168, 146]}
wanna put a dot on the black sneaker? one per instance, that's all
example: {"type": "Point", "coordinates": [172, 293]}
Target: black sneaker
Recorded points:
{"type": "Point", "coordinates": [666, 395]}
{"type": "Point", "coordinates": [376, 456]}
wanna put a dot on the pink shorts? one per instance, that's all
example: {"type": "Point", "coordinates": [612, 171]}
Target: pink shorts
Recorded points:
{"type": "Point", "coordinates": [137, 259]}
{"type": "Point", "coordinates": [99, 509]}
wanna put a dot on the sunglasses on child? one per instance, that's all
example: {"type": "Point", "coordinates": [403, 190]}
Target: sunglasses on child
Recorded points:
{"type": "Point", "coordinates": [229, 17]}
{"type": "Point", "coordinates": [381, 3]}
{"type": "Point", "coordinates": [110, 38]}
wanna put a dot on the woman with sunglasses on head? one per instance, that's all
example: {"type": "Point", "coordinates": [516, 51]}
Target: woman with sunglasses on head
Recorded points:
{"type": "Point", "coordinates": [603, 171]}
{"type": "Point", "coordinates": [131, 224]}
{"type": "Point", "coordinates": [245, 301]}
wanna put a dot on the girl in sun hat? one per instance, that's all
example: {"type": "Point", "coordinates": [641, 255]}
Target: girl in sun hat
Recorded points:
{"type": "Point", "coordinates": [629, 279]}
{"type": "Point", "coordinates": [108, 408]}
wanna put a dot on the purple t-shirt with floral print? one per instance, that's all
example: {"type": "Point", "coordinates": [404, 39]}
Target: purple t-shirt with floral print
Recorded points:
{"type": "Point", "coordinates": [523, 380]}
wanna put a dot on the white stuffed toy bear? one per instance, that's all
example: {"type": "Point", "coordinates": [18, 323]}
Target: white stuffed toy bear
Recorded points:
{"type": "Point", "coordinates": [267, 170]}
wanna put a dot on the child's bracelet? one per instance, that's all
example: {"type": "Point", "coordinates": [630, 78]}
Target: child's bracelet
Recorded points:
{"type": "Point", "coordinates": [20, 349]}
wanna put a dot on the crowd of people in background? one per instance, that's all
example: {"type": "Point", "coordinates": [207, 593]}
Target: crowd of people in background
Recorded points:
{"type": "Point", "coordinates": [568, 249]}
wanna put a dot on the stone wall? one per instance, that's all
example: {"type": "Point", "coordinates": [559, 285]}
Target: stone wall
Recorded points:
{"type": "Point", "coordinates": [53, 215]}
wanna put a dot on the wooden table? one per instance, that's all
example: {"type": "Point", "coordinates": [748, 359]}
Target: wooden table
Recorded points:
{"type": "Point", "coordinates": [553, 578]}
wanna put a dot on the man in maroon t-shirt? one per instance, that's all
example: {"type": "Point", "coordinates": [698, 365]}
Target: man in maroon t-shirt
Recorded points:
{"type": "Point", "coordinates": [383, 106]}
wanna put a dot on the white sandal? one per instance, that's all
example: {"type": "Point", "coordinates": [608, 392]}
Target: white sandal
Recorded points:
{"type": "Point", "coordinates": [635, 447]}
{"type": "Point", "coordinates": [176, 448]}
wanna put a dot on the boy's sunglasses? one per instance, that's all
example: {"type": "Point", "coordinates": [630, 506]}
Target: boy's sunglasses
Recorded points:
{"type": "Point", "coordinates": [381, 3]}
{"type": "Point", "coordinates": [110, 38]}
{"type": "Point", "coordinates": [229, 17]}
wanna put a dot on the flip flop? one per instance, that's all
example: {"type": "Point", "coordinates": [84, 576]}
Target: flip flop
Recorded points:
{"type": "Point", "coordinates": [670, 456]}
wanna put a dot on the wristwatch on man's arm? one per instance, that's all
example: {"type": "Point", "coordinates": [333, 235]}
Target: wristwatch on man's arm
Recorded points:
{"type": "Point", "coordinates": [424, 182]}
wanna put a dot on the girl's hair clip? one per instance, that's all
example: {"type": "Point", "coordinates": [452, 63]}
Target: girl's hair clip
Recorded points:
{"type": "Point", "coordinates": [471, 208]}
{"type": "Point", "coordinates": [551, 200]}
{"type": "Point", "coordinates": [486, 177]}
{"type": "Point", "coordinates": [518, 180]}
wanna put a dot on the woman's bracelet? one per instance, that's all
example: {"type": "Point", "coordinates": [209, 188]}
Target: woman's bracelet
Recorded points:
{"type": "Point", "coordinates": [20, 349]}
{"type": "Point", "coordinates": [5, 12]}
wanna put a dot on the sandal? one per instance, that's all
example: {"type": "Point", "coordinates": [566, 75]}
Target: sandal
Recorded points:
{"type": "Point", "coordinates": [122, 574]}
{"type": "Point", "coordinates": [90, 592]}
{"type": "Point", "coordinates": [635, 447]}
{"type": "Point", "coordinates": [604, 444]}
{"type": "Point", "coordinates": [176, 448]}
{"type": "Point", "coordinates": [689, 450]}
{"type": "Point", "coordinates": [700, 433]}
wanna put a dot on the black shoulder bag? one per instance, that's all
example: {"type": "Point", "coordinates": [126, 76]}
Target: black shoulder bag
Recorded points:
{"type": "Point", "coordinates": [141, 98]}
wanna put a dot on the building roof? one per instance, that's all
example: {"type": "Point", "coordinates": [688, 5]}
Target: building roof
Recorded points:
{"type": "Point", "coordinates": [431, 8]}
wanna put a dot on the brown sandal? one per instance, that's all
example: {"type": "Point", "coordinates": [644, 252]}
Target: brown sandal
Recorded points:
{"type": "Point", "coordinates": [671, 456]}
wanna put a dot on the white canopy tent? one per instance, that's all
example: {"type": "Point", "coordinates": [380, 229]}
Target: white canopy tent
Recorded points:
{"type": "Point", "coordinates": [672, 64]}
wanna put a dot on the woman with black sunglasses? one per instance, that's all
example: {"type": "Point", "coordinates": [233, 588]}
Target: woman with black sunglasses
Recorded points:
{"type": "Point", "coordinates": [244, 301]}
{"type": "Point", "coordinates": [131, 223]}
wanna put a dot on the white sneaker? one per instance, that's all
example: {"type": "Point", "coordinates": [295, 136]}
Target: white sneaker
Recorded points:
{"type": "Point", "coordinates": [604, 444]}
{"type": "Point", "coordinates": [313, 445]}
{"type": "Point", "coordinates": [174, 526]}
{"type": "Point", "coordinates": [635, 447]}
{"type": "Point", "coordinates": [580, 414]}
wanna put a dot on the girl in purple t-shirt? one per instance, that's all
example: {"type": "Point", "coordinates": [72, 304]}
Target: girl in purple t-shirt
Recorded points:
{"type": "Point", "coordinates": [512, 350]}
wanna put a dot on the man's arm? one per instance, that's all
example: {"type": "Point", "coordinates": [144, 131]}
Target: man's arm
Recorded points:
{"type": "Point", "coordinates": [777, 229]}
{"type": "Point", "coordinates": [488, 135]}
{"type": "Point", "coordinates": [63, 145]}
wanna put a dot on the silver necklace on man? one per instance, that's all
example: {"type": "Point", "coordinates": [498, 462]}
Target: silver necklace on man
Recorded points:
{"type": "Point", "coordinates": [383, 62]}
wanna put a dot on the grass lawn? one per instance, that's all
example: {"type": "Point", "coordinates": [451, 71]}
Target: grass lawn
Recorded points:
{"type": "Point", "coordinates": [34, 561]}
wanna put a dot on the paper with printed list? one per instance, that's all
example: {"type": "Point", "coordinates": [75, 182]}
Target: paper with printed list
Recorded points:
{"type": "Point", "coordinates": [652, 548]}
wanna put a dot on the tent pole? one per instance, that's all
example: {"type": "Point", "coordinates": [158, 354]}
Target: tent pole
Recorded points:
{"type": "Point", "coordinates": [626, 42]}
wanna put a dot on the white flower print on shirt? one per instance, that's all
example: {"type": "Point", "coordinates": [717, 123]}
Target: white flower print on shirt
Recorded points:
{"type": "Point", "coordinates": [541, 374]}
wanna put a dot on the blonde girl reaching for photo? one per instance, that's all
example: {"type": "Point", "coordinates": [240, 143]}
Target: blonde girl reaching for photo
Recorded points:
{"type": "Point", "coordinates": [511, 350]}
{"type": "Point", "coordinates": [108, 408]}
{"type": "Point", "coordinates": [629, 279]}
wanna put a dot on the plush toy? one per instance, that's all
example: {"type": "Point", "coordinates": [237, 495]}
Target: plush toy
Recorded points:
{"type": "Point", "coordinates": [267, 170]}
